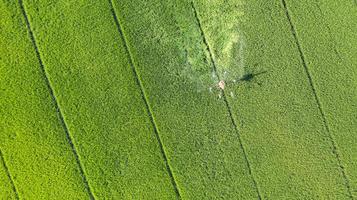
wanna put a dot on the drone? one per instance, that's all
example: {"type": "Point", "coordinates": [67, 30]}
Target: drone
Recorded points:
{"type": "Point", "coordinates": [245, 78]}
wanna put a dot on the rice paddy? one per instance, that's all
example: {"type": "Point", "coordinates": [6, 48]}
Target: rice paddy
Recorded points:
{"type": "Point", "coordinates": [178, 99]}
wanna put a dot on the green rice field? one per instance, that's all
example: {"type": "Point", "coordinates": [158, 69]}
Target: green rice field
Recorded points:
{"type": "Point", "coordinates": [178, 99]}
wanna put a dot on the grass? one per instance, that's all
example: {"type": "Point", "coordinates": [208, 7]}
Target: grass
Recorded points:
{"type": "Point", "coordinates": [202, 152]}
{"type": "Point", "coordinates": [7, 187]}
{"type": "Point", "coordinates": [107, 118]}
{"type": "Point", "coordinates": [120, 100]}
{"type": "Point", "coordinates": [279, 142]}
{"type": "Point", "coordinates": [332, 64]}
{"type": "Point", "coordinates": [33, 142]}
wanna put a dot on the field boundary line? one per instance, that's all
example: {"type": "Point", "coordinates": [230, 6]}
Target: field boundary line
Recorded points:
{"type": "Point", "coordinates": [54, 99]}
{"type": "Point", "coordinates": [144, 98]}
{"type": "Point", "coordinates": [12, 183]}
{"type": "Point", "coordinates": [208, 48]}
{"type": "Point", "coordinates": [311, 83]}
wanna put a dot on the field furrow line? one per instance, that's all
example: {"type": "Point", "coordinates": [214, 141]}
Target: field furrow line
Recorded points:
{"type": "Point", "coordinates": [225, 98]}
{"type": "Point", "coordinates": [9, 175]}
{"type": "Point", "coordinates": [54, 99]}
{"type": "Point", "coordinates": [324, 119]}
{"type": "Point", "coordinates": [143, 95]}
